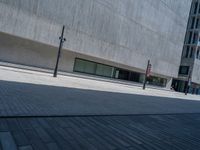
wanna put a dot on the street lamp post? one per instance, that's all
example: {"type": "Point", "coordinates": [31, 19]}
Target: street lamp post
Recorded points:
{"type": "Point", "coordinates": [147, 74]}
{"type": "Point", "coordinates": [188, 83]}
{"type": "Point", "coordinates": [62, 40]}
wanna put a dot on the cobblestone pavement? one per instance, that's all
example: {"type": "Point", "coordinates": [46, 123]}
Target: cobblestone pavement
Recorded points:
{"type": "Point", "coordinates": [147, 132]}
{"type": "Point", "coordinates": [24, 99]}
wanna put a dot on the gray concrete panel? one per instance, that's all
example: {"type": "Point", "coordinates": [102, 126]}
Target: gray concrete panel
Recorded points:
{"type": "Point", "coordinates": [126, 32]}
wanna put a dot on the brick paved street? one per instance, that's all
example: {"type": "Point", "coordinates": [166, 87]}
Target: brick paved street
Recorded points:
{"type": "Point", "coordinates": [148, 132]}
{"type": "Point", "coordinates": [40, 116]}
{"type": "Point", "coordinates": [24, 99]}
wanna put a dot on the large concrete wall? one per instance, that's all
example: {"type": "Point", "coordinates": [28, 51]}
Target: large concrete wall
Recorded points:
{"type": "Point", "coordinates": [18, 51]}
{"type": "Point", "coordinates": [128, 32]}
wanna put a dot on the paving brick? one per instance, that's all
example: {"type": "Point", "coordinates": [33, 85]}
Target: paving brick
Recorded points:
{"type": "Point", "coordinates": [52, 146]}
{"type": "Point", "coordinates": [25, 147]}
{"type": "Point", "coordinates": [44, 135]}
{"type": "Point", "coordinates": [143, 132]}
{"type": "Point", "coordinates": [33, 94]}
{"type": "Point", "coordinates": [3, 125]}
{"type": "Point", "coordinates": [7, 142]}
{"type": "Point", "coordinates": [20, 138]}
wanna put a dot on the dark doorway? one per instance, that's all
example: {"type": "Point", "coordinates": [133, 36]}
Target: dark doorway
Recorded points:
{"type": "Point", "coordinates": [123, 74]}
{"type": "Point", "coordinates": [133, 76]}
{"type": "Point", "coordinates": [179, 85]}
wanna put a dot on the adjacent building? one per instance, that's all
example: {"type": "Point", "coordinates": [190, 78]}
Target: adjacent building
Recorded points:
{"type": "Point", "coordinates": [189, 72]}
{"type": "Point", "coordinates": [108, 38]}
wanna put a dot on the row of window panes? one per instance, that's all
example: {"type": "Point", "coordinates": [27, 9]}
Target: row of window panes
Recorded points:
{"type": "Point", "coordinates": [93, 68]}
{"type": "Point", "coordinates": [193, 24]}
{"type": "Point", "coordinates": [192, 38]}
{"type": "Point", "coordinates": [184, 70]}
{"type": "Point", "coordinates": [194, 90]}
{"type": "Point", "coordinates": [198, 54]}
{"type": "Point", "coordinates": [195, 7]}
{"type": "Point", "coordinates": [157, 81]}
{"type": "Point", "coordinates": [89, 67]}
{"type": "Point", "coordinates": [189, 52]}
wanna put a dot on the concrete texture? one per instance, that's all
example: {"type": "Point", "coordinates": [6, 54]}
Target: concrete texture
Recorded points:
{"type": "Point", "coordinates": [18, 51]}
{"type": "Point", "coordinates": [125, 32]}
{"type": "Point", "coordinates": [38, 94]}
{"type": "Point", "coordinates": [157, 132]}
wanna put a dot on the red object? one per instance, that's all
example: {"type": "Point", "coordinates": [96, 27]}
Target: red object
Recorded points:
{"type": "Point", "coordinates": [149, 70]}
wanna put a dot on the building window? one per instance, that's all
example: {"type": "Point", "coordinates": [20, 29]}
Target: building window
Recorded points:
{"type": "Point", "coordinates": [89, 67]}
{"type": "Point", "coordinates": [197, 56]}
{"type": "Point", "coordinates": [197, 23]}
{"type": "Point", "coordinates": [104, 70]}
{"type": "Point", "coordinates": [195, 38]}
{"type": "Point", "coordinates": [190, 37]}
{"type": "Point", "coordinates": [195, 7]}
{"type": "Point", "coordinates": [192, 24]}
{"type": "Point", "coordinates": [84, 66]}
{"type": "Point", "coordinates": [191, 52]}
{"type": "Point", "coordinates": [94, 68]}
{"type": "Point", "coordinates": [199, 10]}
{"type": "Point", "coordinates": [152, 80]}
{"type": "Point", "coordinates": [184, 70]}
{"type": "Point", "coordinates": [187, 52]}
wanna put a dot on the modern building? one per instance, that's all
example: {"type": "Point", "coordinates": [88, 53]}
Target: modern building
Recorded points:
{"type": "Point", "coordinates": [109, 38]}
{"type": "Point", "coordinates": [189, 72]}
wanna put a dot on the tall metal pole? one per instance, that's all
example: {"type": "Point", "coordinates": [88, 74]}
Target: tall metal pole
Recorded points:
{"type": "Point", "coordinates": [188, 83]}
{"type": "Point", "coordinates": [145, 79]}
{"type": "Point", "coordinates": [62, 40]}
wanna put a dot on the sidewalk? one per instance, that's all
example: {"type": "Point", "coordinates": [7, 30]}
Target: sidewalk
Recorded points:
{"type": "Point", "coordinates": [83, 82]}
{"type": "Point", "coordinates": [31, 93]}
{"type": "Point", "coordinates": [79, 75]}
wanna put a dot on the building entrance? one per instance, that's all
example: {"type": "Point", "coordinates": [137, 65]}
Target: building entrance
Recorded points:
{"type": "Point", "coordinates": [94, 68]}
{"type": "Point", "coordinates": [179, 85]}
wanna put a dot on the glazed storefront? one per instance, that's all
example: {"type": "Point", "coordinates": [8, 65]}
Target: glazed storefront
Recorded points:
{"type": "Point", "coordinates": [98, 69]}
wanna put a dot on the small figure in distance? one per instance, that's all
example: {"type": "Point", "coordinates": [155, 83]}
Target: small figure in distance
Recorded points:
{"type": "Point", "coordinates": [172, 88]}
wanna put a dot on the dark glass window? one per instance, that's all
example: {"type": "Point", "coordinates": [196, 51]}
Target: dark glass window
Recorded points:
{"type": "Point", "coordinates": [197, 54]}
{"type": "Point", "coordinates": [187, 51]}
{"type": "Point", "coordinates": [197, 23]}
{"type": "Point", "coordinates": [84, 66]}
{"type": "Point", "coordinates": [94, 68]}
{"type": "Point", "coordinates": [192, 24]}
{"type": "Point", "coordinates": [184, 70]}
{"type": "Point", "coordinates": [195, 7]}
{"type": "Point", "coordinates": [199, 10]}
{"type": "Point", "coordinates": [195, 38]}
{"type": "Point", "coordinates": [190, 37]}
{"type": "Point", "coordinates": [191, 52]}
{"type": "Point", "coordinates": [157, 81]}
{"type": "Point", "coordinates": [104, 70]}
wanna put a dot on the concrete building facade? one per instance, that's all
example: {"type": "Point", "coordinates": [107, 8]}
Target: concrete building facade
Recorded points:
{"type": "Point", "coordinates": [110, 38]}
{"type": "Point", "coordinates": [189, 72]}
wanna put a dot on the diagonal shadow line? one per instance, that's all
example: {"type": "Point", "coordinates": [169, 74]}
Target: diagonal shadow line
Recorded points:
{"type": "Point", "coordinates": [31, 100]}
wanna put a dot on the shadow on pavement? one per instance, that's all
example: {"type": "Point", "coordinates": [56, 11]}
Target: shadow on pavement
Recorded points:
{"type": "Point", "coordinates": [24, 99]}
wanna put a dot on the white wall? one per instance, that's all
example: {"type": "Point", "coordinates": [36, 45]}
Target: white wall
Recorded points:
{"type": "Point", "coordinates": [128, 32]}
